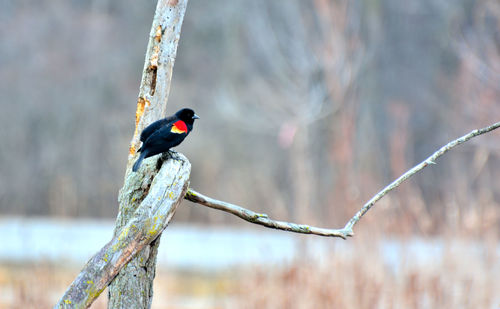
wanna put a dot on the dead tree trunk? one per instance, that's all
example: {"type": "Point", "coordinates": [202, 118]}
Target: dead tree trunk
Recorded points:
{"type": "Point", "coordinates": [149, 197]}
{"type": "Point", "coordinates": [133, 287]}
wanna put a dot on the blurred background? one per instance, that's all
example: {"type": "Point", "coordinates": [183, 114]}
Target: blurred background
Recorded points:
{"type": "Point", "coordinates": [308, 108]}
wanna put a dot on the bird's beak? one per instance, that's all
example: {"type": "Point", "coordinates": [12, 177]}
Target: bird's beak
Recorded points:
{"type": "Point", "coordinates": [196, 116]}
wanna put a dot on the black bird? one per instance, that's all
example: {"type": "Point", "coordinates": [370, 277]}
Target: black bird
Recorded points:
{"type": "Point", "coordinates": [164, 134]}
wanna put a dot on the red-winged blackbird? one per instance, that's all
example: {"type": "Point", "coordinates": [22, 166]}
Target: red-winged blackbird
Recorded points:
{"type": "Point", "coordinates": [164, 134]}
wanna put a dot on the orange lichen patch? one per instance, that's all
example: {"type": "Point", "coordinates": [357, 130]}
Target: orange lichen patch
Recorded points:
{"type": "Point", "coordinates": [141, 103]}
{"type": "Point", "coordinates": [158, 34]}
{"type": "Point", "coordinates": [153, 61]}
{"type": "Point", "coordinates": [173, 2]}
{"type": "Point", "coordinates": [131, 150]}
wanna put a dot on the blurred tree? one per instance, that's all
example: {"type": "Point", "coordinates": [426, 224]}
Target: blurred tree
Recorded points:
{"type": "Point", "coordinates": [412, 77]}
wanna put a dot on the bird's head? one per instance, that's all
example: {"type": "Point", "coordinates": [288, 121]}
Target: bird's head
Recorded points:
{"type": "Point", "coordinates": [187, 115]}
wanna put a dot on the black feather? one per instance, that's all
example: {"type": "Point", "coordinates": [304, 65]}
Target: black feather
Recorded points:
{"type": "Point", "coordinates": [159, 137]}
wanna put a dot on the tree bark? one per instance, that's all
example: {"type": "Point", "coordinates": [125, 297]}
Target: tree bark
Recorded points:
{"type": "Point", "coordinates": [159, 194]}
{"type": "Point", "coordinates": [133, 287]}
{"type": "Point", "coordinates": [149, 197]}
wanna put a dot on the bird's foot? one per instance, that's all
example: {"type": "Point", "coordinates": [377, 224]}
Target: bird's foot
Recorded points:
{"type": "Point", "coordinates": [174, 155]}
{"type": "Point", "coordinates": [167, 156]}
{"type": "Point", "coordinates": [170, 155]}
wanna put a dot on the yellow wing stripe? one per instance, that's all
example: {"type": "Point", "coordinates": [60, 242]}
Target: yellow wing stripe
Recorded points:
{"type": "Point", "coordinates": [179, 127]}
{"type": "Point", "coordinates": [176, 130]}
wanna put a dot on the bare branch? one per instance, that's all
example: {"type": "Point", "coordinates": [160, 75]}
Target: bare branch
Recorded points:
{"type": "Point", "coordinates": [264, 220]}
{"type": "Point", "coordinates": [258, 218]}
{"type": "Point", "coordinates": [430, 160]}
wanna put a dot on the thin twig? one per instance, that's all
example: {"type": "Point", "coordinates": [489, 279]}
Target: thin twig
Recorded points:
{"type": "Point", "coordinates": [264, 220]}
{"type": "Point", "coordinates": [430, 160]}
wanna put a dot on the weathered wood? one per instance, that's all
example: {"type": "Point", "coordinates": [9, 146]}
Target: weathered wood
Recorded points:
{"type": "Point", "coordinates": [149, 197]}
{"type": "Point", "coordinates": [158, 66]}
{"type": "Point", "coordinates": [133, 287]}
{"type": "Point", "coordinates": [164, 192]}
{"type": "Point", "coordinates": [262, 219]}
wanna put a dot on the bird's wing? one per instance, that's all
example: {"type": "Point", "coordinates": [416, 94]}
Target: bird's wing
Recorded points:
{"type": "Point", "coordinates": [163, 135]}
{"type": "Point", "coordinates": [149, 130]}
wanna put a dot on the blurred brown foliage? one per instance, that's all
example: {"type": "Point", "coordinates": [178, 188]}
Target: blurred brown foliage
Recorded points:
{"type": "Point", "coordinates": [308, 108]}
{"type": "Point", "coordinates": [465, 275]}
{"type": "Point", "coordinates": [459, 279]}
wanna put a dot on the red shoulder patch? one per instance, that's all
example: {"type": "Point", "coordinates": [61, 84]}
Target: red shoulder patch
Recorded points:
{"type": "Point", "coordinates": [179, 127]}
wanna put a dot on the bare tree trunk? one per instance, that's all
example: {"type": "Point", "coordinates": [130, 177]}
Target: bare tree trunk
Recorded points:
{"type": "Point", "coordinates": [148, 198]}
{"type": "Point", "coordinates": [133, 287]}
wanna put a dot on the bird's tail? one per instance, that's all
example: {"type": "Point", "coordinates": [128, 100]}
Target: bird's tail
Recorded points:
{"type": "Point", "coordinates": [137, 163]}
